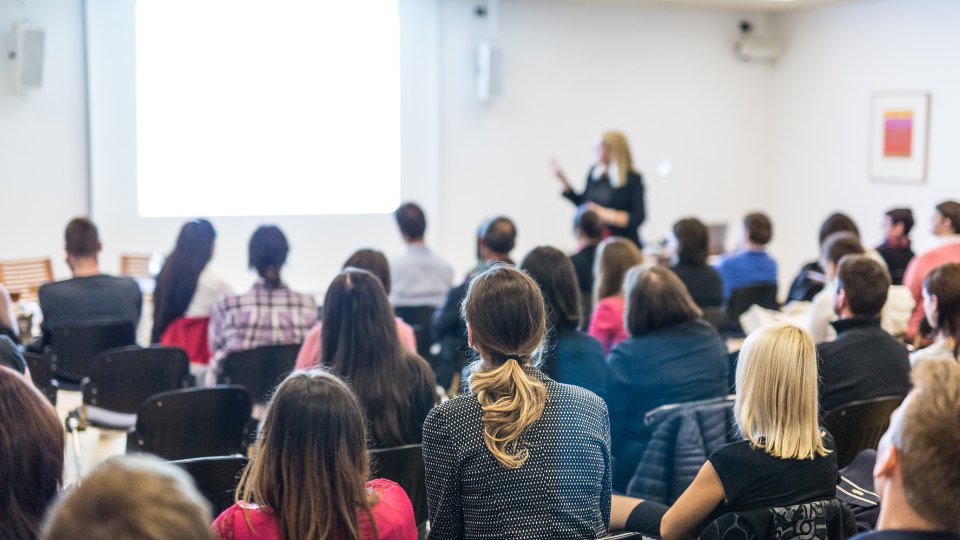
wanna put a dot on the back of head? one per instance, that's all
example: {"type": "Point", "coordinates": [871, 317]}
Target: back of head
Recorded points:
{"type": "Point", "coordinates": [31, 456]}
{"type": "Point", "coordinates": [656, 299]}
{"type": "Point", "coordinates": [943, 282]}
{"type": "Point", "coordinates": [505, 313]}
{"type": "Point", "coordinates": [372, 261]}
{"type": "Point", "coordinates": [499, 234]}
{"type": "Point", "coordinates": [902, 215]}
{"type": "Point", "coordinates": [618, 144]}
{"type": "Point", "coordinates": [554, 273]}
{"type": "Point", "coordinates": [837, 223]}
{"type": "Point", "coordinates": [693, 241]}
{"type": "Point", "coordinates": [132, 498]}
{"type": "Point", "coordinates": [865, 283]}
{"type": "Point", "coordinates": [614, 257]}
{"type": "Point", "coordinates": [777, 401]}
{"type": "Point", "coordinates": [839, 245]}
{"type": "Point", "coordinates": [82, 238]}
{"type": "Point", "coordinates": [411, 221]}
{"type": "Point", "coordinates": [310, 462]}
{"type": "Point", "coordinates": [589, 224]}
{"type": "Point", "coordinates": [951, 210]}
{"type": "Point", "coordinates": [178, 278]}
{"type": "Point", "coordinates": [268, 252]}
{"type": "Point", "coordinates": [759, 229]}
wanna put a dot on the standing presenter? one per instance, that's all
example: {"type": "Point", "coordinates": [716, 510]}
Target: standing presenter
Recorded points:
{"type": "Point", "coordinates": [614, 190]}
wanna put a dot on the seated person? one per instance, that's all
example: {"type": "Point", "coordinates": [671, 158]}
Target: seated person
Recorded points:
{"type": "Point", "coordinates": [589, 231]}
{"type": "Point", "coordinates": [671, 356]}
{"type": "Point", "coordinates": [946, 225]}
{"type": "Point", "coordinates": [836, 247]}
{"type": "Point", "coordinates": [269, 314]}
{"type": "Point", "coordinates": [941, 304]}
{"type": "Point", "coordinates": [132, 498]}
{"type": "Point", "coordinates": [811, 279]}
{"type": "Point", "coordinates": [419, 277]}
{"type": "Point", "coordinates": [895, 248]}
{"type": "Point", "coordinates": [572, 356]}
{"type": "Point", "coordinates": [751, 265]}
{"type": "Point", "coordinates": [90, 297]}
{"type": "Point", "coordinates": [310, 472]}
{"type": "Point", "coordinates": [916, 473]}
{"type": "Point", "coordinates": [693, 247]}
{"type": "Point", "coordinates": [614, 257]}
{"type": "Point", "coordinates": [785, 459]}
{"type": "Point", "coordinates": [864, 361]}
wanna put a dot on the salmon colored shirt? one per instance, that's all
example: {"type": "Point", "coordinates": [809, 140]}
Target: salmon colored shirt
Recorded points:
{"type": "Point", "coordinates": [606, 323]}
{"type": "Point", "coordinates": [310, 350]}
{"type": "Point", "coordinates": [917, 271]}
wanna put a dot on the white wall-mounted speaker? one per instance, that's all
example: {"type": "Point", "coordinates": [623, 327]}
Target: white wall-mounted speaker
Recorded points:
{"type": "Point", "coordinates": [764, 49]}
{"type": "Point", "coordinates": [489, 71]}
{"type": "Point", "coordinates": [27, 54]}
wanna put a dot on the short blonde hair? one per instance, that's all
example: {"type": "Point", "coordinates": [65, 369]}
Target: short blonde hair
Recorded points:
{"type": "Point", "coordinates": [617, 142]}
{"type": "Point", "coordinates": [777, 404]}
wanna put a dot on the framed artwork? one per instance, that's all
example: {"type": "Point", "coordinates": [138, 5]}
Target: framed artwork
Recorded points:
{"type": "Point", "coordinates": [898, 136]}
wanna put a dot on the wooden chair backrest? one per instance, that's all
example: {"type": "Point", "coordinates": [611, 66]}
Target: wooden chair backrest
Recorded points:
{"type": "Point", "coordinates": [135, 266]}
{"type": "Point", "coordinates": [24, 278]}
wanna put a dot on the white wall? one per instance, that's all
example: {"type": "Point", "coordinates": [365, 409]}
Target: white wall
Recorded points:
{"type": "Point", "coordinates": [43, 145]}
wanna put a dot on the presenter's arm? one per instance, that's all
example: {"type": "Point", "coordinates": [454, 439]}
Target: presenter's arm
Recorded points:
{"type": "Point", "coordinates": [568, 192]}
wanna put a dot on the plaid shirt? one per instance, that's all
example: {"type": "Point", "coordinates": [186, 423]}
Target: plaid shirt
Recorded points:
{"type": "Point", "coordinates": [266, 315]}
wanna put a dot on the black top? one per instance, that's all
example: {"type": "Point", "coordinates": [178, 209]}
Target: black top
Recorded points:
{"type": "Point", "coordinates": [562, 491]}
{"type": "Point", "coordinates": [628, 198]}
{"type": "Point", "coordinates": [576, 358]}
{"type": "Point", "coordinates": [703, 283]}
{"type": "Point", "coordinates": [90, 300]}
{"type": "Point", "coordinates": [864, 362]}
{"type": "Point", "coordinates": [808, 283]}
{"type": "Point", "coordinates": [753, 479]}
{"type": "Point", "coordinates": [897, 260]}
{"type": "Point", "coordinates": [11, 357]}
{"type": "Point", "coordinates": [583, 264]}
{"type": "Point", "coordinates": [907, 535]}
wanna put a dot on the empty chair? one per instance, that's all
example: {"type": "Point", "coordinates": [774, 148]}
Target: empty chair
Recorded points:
{"type": "Point", "coordinates": [259, 370]}
{"type": "Point", "coordinates": [191, 423]}
{"type": "Point", "coordinates": [763, 295]}
{"type": "Point", "coordinates": [419, 318]}
{"type": "Point", "coordinates": [24, 278]}
{"type": "Point", "coordinates": [858, 426]}
{"type": "Point", "coordinates": [72, 349]}
{"type": "Point", "coordinates": [216, 478]}
{"type": "Point", "coordinates": [404, 465]}
{"type": "Point", "coordinates": [42, 375]}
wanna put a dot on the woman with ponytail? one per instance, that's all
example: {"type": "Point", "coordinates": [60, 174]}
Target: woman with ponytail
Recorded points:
{"type": "Point", "coordinates": [519, 455]}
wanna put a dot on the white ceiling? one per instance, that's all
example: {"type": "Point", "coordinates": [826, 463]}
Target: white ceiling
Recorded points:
{"type": "Point", "coordinates": [762, 5]}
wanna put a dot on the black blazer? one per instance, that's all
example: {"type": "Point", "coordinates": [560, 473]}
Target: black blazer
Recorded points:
{"type": "Point", "coordinates": [628, 198]}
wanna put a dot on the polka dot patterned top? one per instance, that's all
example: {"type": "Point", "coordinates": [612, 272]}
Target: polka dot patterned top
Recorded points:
{"type": "Point", "coordinates": [562, 491]}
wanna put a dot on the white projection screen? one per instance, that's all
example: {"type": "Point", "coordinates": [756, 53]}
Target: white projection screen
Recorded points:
{"type": "Point", "coordinates": [240, 113]}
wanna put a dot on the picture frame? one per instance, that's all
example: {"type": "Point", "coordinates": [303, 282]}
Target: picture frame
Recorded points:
{"type": "Point", "coordinates": [899, 133]}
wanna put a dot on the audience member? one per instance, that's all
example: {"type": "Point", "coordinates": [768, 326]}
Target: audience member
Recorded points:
{"type": "Point", "coordinates": [572, 356]}
{"type": "Point", "coordinates": [376, 263]}
{"type": "Point", "coordinates": [419, 277]}
{"type": "Point", "coordinates": [895, 248]}
{"type": "Point", "coordinates": [751, 265]}
{"type": "Point", "coordinates": [589, 231]}
{"type": "Point", "coordinates": [672, 356]}
{"type": "Point", "coordinates": [8, 322]}
{"type": "Point", "coordinates": [90, 297]}
{"type": "Point", "coordinates": [836, 247]}
{"type": "Point", "coordinates": [495, 240]}
{"type": "Point", "coordinates": [186, 291]}
{"type": "Point", "coordinates": [811, 279]}
{"type": "Point", "coordinates": [310, 472]}
{"type": "Point", "coordinates": [946, 225]}
{"type": "Point", "coordinates": [864, 361]}
{"type": "Point", "coordinates": [693, 247]}
{"type": "Point", "coordinates": [520, 455]}
{"type": "Point", "coordinates": [614, 257]}
{"type": "Point", "coordinates": [785, 458]}
{"type": "Point", "coordinates": [269, 314]}
{"type": "Point", "coordinates": [941, 305]}
{"type": "Point", "coordinates": [132, 498]}
{"type": "Point", "coordinates": [359, 342]}
{"type": "Point", "coordinates": [916, 473]}
{"type": "Point", "coordinates": [31, 456]}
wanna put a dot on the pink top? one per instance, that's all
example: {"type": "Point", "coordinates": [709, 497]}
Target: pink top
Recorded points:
{"type": "Point", "coordinates": [917, 271]}
{"type": "Point", "coordinates": [606, 323]}
{"type": "Point", "coordinates": [310, 350]}
{"type": "Point", "coordinates": [393, 515]}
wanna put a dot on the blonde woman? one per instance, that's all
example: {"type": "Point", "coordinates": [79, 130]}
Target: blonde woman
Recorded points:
{"type": "Point", "coordinates": [614, 189]}
{"type": "Point", "coordinates": [519, 455]}
{"type": "Point", "coordinates": [614, 257]}
{"type": "Point", "coordinates": [785, 458]}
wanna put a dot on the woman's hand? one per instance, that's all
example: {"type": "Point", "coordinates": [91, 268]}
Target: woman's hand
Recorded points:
{"type": "Point", "coordinates": [558, 172]}
{"type": "Point", "coordinates": [609, 216]}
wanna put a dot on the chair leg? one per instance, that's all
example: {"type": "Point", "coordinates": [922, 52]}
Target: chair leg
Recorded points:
{"type": "Point", "coordinates": [73, 425]}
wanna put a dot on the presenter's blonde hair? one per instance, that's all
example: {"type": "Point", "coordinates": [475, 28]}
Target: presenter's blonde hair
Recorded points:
{"type": "Point", "coordinates": [617, 142]}
{"type": "Point", "coordinates": [777, 405]}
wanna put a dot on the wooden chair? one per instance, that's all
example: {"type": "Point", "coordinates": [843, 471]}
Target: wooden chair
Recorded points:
{"type": "Point", "coordinates": [135, 266]}
{"type": "Point", "coordinates": [24, 278]}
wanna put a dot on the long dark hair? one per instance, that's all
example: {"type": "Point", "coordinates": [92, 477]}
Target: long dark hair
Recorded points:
{"type": "Point", "coordinates": [359, 342]}
{"type": "Point", "coordinates": [372, 261]}
{"type": "Point", "coordinates": [555, 275]}
{"type": "Point", "coordinates": [178, 278]}
{"type": "Point", "coordinates": [944, 283]}
{"type": "Point", "coordinates": [310, 464]}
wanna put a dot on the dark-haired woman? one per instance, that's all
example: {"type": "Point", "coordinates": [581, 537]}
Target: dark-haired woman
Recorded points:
{"type": "Point", "coordinates": [703, 282]}
{"type": "Point", "coordinates": [672, 356]}
{"type": "Point", "coordinates": [31, 456]}
{"type": "Point", "coordinates": [941, 305]}
{"type": "Point", "coordinates": [519, 456]}
{"type": "Point", "coordinates": [186, 291]}
{"type": "Point", "coordinates": [310, 473]}
{"type": "Point", "coordinates": [572, 357]}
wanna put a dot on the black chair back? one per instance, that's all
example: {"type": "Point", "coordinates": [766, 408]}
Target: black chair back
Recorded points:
{"type": "Point", "coordinates": [42, 375]}
{"type": "Point", "coordinates": [404, 465]}
{"type": "Point", "coordinates": [191, 423]}
{"type": "Point", "coordinates": [858, 426]}
{"type": "Point", "coordinates": [72, 349]}
{"type": "Point", "coordinates": [122, 379]}
{"type": "Point", "coordinates": [259, 370]}
{"type": "Point", "coordinates": [216, 478]}
{"type": "Point", "coordinates": [741, 298]}
{"type": "Point", "coordinates": [419, 318]}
